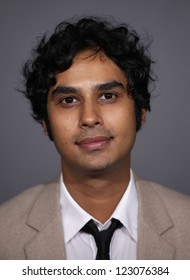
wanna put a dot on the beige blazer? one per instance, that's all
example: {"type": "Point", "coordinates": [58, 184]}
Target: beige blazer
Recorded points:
{"type": "Point", "coordinates": [31, 227]}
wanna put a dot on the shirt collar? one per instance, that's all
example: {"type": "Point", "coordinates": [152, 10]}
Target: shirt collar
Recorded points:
{"type": "Point", "coordinates": [74, 217]}
{"type": "Point", "coordinates": [127, 209]}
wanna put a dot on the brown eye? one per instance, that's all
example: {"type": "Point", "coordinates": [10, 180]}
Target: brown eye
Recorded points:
{"type": "Point", "coordinates": [108, 95]}
{"type": "Point", "coordinates": [69, 99]}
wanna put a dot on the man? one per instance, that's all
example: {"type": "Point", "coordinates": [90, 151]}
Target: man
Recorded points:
{"type": "Point", "coordinates": [88, 85]}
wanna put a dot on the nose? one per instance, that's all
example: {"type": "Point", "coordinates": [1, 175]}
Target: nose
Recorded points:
{"type": "Point", "coordinates": [90, 115]}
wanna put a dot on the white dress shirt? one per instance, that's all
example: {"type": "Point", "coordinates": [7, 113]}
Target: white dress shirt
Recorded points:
{"type": "Point", "coordinates": [82, 246]}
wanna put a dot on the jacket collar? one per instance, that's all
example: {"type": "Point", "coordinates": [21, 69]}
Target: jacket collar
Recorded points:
{"type": "Point", "coordinates": [46, 223]}
{"type": "Point", "coordinates": [45, 220]}
{"type": "Point", "coordinates": [154, 223]}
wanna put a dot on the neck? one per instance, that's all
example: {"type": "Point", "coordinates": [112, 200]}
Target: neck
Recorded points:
{"type": "Point", "coordinates": [98, 195]}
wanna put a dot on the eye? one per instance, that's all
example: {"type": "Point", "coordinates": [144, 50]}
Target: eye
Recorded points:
{"type": "Point", "coordinates": [108, 95]}
{"type": "Point", "coordinates": [68, 101]}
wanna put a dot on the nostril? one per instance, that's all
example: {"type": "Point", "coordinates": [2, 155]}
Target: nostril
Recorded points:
{"type": "Point", "coordinates": [85, 125]}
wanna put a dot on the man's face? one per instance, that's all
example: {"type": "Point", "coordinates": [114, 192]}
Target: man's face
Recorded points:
{"type": "Point", "coordinates": [91, 115]}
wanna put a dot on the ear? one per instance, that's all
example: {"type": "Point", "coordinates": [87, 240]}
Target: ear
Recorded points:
{"type": "Point", "coordinates": [45, 128]}
{"type": "Point", "coordinates": [143, 116]}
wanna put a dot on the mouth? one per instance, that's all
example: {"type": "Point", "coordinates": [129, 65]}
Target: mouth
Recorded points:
{"type": "Point", "coordinates": [94, 143]}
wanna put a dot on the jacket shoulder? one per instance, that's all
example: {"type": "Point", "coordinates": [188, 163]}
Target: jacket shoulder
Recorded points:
{"type": "Point", "coordinates": [21, 201]}
{"type": "Point", "coordinates": [14, 231]}
{"type": "Point", "coordinates": [160, 206]}
{"type": "Point", "coordinates": [171, 198]}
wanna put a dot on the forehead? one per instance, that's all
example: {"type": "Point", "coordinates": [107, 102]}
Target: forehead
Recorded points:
{"type": "Point", "coordinates": [92, 67]}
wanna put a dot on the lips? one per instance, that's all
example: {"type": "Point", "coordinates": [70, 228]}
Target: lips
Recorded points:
{"type": "Point", "coordinates": [94, 143]}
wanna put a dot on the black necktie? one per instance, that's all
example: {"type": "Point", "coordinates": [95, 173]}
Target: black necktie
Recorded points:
{"type": "Point", "coordinates": [102, 238]}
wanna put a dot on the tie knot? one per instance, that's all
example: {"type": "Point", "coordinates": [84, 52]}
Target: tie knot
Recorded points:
{"type": "Point", "coordinates": [102, 238]}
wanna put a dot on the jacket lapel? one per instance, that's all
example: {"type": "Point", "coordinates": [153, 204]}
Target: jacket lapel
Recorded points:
{"type": "Point", "coordinates": [46, 222]}
{"type": "Point", "coordinates": [154, 224]}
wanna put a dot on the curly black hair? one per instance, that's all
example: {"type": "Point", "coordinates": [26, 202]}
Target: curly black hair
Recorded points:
{"type": "Point", "coordinates": [55, 54]}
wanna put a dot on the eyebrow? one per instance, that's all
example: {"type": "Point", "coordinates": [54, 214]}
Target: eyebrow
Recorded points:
{"type": "Point", "coordinates": [109, 86]}
{"type": "Point", "coordinates": [99, 87]}
{"type": "Point", "coordinates": [64, 90]}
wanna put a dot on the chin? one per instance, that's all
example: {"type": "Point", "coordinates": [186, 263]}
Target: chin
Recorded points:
{"type": "Point", "coordinates": [98, 169]}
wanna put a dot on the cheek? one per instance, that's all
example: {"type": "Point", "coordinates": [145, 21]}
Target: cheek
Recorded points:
{"type": "Point", "coordinates": [62, 129]}
{"type": "Point", "coordinates": [122, 121]}
{"type": "Point", "coordinates": [61, 121]}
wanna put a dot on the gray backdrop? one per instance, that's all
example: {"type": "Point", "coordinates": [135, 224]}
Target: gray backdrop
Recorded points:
{"type": "Point", "coordinates": [162, 148]}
